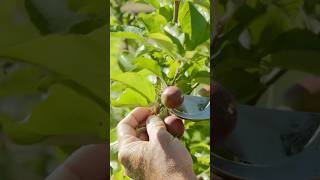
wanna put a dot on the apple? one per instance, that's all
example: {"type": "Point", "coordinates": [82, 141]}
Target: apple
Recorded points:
{"type": "Point", "coordinates": [172, 97]}
{"type": "Point", "coordinates": [204, 91]}
{"type": "Point", "coordinates": [174, 126]}
{"type": "Point", "coordinates": [304, 95]}
{"type": "Point", "coordinates": [223, 112]}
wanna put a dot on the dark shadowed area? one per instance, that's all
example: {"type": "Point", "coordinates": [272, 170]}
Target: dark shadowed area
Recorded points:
{"type": "Point", "coordinates": [53, 83]}
{"type": "Point", "coordinates": [266, 55]}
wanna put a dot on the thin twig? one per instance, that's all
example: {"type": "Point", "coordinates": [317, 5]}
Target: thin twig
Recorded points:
{"type": "Point", "coordinates": [176, 11]}
{"type": "Point", "coordinates": [275, 77]}
{"type": "Point", "coordinates": [194, 87]}
{"type": "Point", "coordinates": [267, 84]}
{"type": "Point", "coordinates": [215, 23]}
{"type": "Point", "coordinates": [175, 76]}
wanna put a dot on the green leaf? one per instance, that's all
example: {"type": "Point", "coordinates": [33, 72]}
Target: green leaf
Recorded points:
{"type": "Point", "coordinates": [115, 44]}
{"type": "Point", "coordinates": [154, 22]}
{"type": "Point", "coordinates": [296, 49]}
{"type": "Point", "coordinates": [114, 151]}
{"type": "Point", "coordinates": [296, 39]}
{"type": "Point", "coordinates": [113, 135]}
{"type": "Point", "coordinates": [243, 85]}
{"type": "Point", "coordinates": [194, 25]}
{"type": "Point", "coordinates": [127, 32]}
{"type": "Point", "coordinates": [66, 112]}
{"type": "Point", "coordinates": [79, 60]}
{"type": "Point", "coordinates": [200, 146]}
{"type": "Point", "coordinates": [241, 20]}
{"type": "Point", "coordinates": [117, 87]}
{"type": "Point", "coordinates": [176, 37]}
{"type": "Point", "coordinates": [11, 32]}
{"type": "Point", "coordinates": [307, 61]}
{"type": "Point", "coordinates": [126, 35]}
{"type": "Point", "coordinates": [154, 3]}
{"type": "Point", "coordinates": [88, 6]}
{"type": "Point", "coordinates": [202, 77]}
{"type": "Point", "coordinates": [203, 158]}
{"type": "Point", "coordinates": [149, 64]}
{"type": "Point", "coordinates": [166, 12]}
{"type": "Point", "coordinates": [130, 98]}
{"type": "Point", "coordinates": [87, 25]}
{"type": "Point", "coordinates": [291, 7]}
{"type": "Point", "coordinates": [23, 81]}
{"type": "Point", "coordinates": [63, 114]}
{"type": "Point", "coordinates": [137, 82]}
{"type": "Point", "coordinates": [125, 62]}
{"type": "Point", "coordinates": [67, 16]}
{"type": "Point", "coordinates": [19, 132]}
{"type": "Point", "coordinates": [147, 74]}
{"type": "Point", "coordinates": [173, 66]}
{"type": "Point", "coordinates": [163, 41]}
{"type": "Point", "coordinates": [120, 174]}
{"type": "Point", "coordinates": [266, 28]}
{"type": "Point", "coordinates": [235, 56]}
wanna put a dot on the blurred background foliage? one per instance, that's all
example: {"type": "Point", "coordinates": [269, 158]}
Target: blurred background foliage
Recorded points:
{"type": "Point", "coordinates": [267, 54]}
{"type": "Point", "coordinates": [262, 47]}
{"type": "Point", "coordinates": [53, 83]}
{"type": "Point", "coordinates": [154, 46]}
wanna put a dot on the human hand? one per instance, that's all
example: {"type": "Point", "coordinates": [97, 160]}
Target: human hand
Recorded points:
{"type": "Point", "coordinates": [87, 163]}
{"type": "Point", "coordinates": [152, 152]}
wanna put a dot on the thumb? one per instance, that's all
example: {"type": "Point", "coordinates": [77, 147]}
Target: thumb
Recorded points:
{"type": "Point", "coordinates": [157, 131]}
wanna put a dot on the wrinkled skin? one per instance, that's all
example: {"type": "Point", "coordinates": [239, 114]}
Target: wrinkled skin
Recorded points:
{"type": "Point", "coordinates": [152, 152]}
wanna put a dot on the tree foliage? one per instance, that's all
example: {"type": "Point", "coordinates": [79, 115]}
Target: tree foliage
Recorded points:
{"type": "Point", "coordinates": [253, 39]}
{"type": "Point", "coordinates": [149, 51]}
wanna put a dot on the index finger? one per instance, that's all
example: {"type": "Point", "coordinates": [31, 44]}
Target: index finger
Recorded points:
{"type": "Point", "coordinates": [126, 129]}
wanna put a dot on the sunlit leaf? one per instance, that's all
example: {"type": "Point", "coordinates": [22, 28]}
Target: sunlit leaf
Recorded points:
{"type": "Point", "coordinates": [59, 54]}
{"type": "Point", "coordinates": [130, 98]}
{"type": "Point", "coordinates": [64, 114]}
{"type": "Point", "coordinates": [154, 22]}
{"type": "Point", "coordinates": [67, 16]}
{"type": "Point", "coordinates": [162, 41]}
{"type": "Point", "coordinates": [193, 24]}
{"type": "Point", "coordinates": [136, 82]}
{"type": "Point", "coordinates": [149, 64]}
{"type": "Point", "coordinates": [307, 61]}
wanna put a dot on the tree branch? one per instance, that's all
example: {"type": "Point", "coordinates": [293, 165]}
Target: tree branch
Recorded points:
{"type": "Point", "coordinates": [176, 11]}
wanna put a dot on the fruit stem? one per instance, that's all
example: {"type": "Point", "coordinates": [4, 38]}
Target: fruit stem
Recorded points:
{"type": "Point", "coordinates": [176, 74]}
{"type": "Point", "coordinates": [176, 11]}
{"type": "Point", "coordinates": [194, 87]}
{"type": "Point", "coordinates": [270, 81]}
{"type": "Point", "coordinates": [216, 25]}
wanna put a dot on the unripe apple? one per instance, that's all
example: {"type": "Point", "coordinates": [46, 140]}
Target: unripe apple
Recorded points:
{"type": "Point", "coordinates": [304, 95]}
{"type": "Point", "coordinates": [174, 126]}
{"type": "Point", "coordinates": [204, 91]}
{"type": "Point", "coordinates": [172, 97]}
{"type": "Point", "coordinates": [223, 112]}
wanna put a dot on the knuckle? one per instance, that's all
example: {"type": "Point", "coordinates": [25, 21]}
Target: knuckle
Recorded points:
{"type": "Point", "coordinates": [122, 157]}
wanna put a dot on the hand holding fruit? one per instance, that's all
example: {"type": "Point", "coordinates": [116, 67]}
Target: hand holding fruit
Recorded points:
{"type": "Point", "coordinates": [153, 153]}
{"type": "Point", "coordinates": [172, 98]}
{"type": "Point", "coordinates": [86, 163]}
